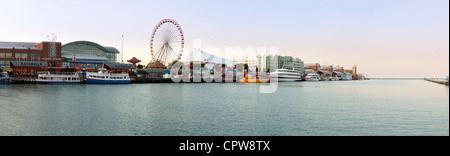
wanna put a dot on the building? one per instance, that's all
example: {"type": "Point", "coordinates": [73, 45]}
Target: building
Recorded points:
{"type": "Point", "coordinates": [88, 54]}
{"type": "Point", "coordinates": [251, 62]}
{"type": "Point", "coordinates": [314, 66]}
{"type": "Point", "coordinates": [48, 54]}
{"type": "Point", "coordinates": [339, 69]}
{"type": "Point", "coordinates": [355, 73]}
{"type": "Point", "coordinates": [328, 68]}
{"type": "Point", "coordinates": [348, 71]}
{"type": "Point", "coordinates": [281, 62]}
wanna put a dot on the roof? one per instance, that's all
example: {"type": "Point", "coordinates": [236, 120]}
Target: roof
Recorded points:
{"type": "Point", "coordinates": [105, 49]}
{"type": "Point", "coordinates": [200, 55]}
{"type": "Point", "coordinates": [134, 59]}
{"type": "Point", "coordinates": [86, 57]}
{"type": "Point", "coordinates": [157, 64]}
{"type": "Point", "coordinates": [18, 45]}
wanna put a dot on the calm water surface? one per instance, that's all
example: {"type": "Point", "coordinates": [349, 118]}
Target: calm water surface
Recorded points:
{"type": "Point", "coordinates": [377, 107]}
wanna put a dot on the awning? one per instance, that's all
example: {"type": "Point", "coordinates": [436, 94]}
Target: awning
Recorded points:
{"type": "Point", "coordinates": [29, 64]}
{"type": "Point", "coordinates": [119, 66]}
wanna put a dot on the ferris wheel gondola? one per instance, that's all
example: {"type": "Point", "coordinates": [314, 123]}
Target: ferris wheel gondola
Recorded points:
{"type": "Point", "coordinates": [167, 42]}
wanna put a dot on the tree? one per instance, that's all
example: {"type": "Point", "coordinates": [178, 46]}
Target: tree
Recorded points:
{"type": "Point", "coordinates": [172, 63]}
{"type": "Point", "coordinates": [140, 66]}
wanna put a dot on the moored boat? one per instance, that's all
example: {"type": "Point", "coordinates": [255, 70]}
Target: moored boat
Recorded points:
{"type": "Point", "coordinates": [346, 77]}
{"type": "Point", "coordinates": [4, 78]}
{"type": "Point", "coordinates": [104, 77]}
{"type": "Point", "coordinates": [251, 79]}
{"type": "Point", "coordinates": [285, 75]}
{"type": "Point", "coordinates": [58, 78]}
{"type": "Point", "coordinates": [312, 77]}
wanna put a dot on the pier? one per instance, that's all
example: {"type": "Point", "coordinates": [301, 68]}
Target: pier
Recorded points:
{"type": "Point", "coordinates": [438, 82]}
{"type": "Point", "coordinates": [23, 80]}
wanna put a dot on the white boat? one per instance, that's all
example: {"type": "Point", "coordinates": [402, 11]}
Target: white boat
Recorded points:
{"type": "Point", "coordinates": [58, 78]}
{"type": "Point", "coordinates": [4, 78]}
{"type": "Point", "coordinates": [346, 77]}
{"type": "Point", "coordinates": [285, 75]}
{"type": "Point", "coordinates": [104, 77]}
{"type": "Point", "coordinates": [334, 78]}
{"type": "Point", "coordinates": [312, 77]}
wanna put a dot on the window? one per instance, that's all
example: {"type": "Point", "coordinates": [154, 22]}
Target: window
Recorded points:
{"type": "Point", "coordinates": [8, 55]}
{"type": "Point", "coordinates": [4, 63]}
{"type": "Point", "coordinates": [21, 55]}
{"type": "Point", "coordinates": [2, 55]}
{"type": "Point", "coordinates": [35, 56]}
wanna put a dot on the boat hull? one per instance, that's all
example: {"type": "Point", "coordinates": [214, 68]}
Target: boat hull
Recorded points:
{"type": "Point", "coordinates": [56, 82]}
{"type": "Point", "coordinates": [254, 80]}
{"type": "Point", "coordinates": [311, 79]}
{"type": "Point", "coordinates": [5, 82]}
{"type": "Point", "coordinates": [96, 81]}
{"type": "Point", "coordinates": [286, 79]}
{"type": "Point", "coordinates": [284, 75]}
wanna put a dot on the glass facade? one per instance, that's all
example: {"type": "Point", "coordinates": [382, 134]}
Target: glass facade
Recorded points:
{"type": "Point", "coordinates": [90, 48]}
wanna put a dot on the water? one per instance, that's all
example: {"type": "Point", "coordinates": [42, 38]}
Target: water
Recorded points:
{"type": "Point", "coordinates": [376, 107]}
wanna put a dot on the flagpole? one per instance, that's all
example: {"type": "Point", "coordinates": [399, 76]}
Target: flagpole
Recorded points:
{"type": "Point", "coordinates": [74, 64]}
{"type": "Point", "coordinates": [122, 49]}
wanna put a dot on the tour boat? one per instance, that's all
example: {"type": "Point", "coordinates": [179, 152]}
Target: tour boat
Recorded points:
{"type": "Point", "coordinates": [346, 77]}
{"type": "Point", "coordinates": [312, 77]}
{"type": "Point", "coordinates": [58, 78]}
{"type": "Point", "coordinates": [285, 75]}
{"type": "Point", "coordinates": [251, 79]}
{"type": "Point", "coordinates": [103, 77]}
{"type": "Point", "coordinates": [4, 78]}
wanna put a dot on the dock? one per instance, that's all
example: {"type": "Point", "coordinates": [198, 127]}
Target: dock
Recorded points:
{"type": "Point", "coordinates": [438, 82]}
{"type": "Point", "coordinates": [23, 80]}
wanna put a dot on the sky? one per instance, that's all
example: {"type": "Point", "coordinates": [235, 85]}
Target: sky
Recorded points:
{"type": "Point", "coordinates": [385, 38]}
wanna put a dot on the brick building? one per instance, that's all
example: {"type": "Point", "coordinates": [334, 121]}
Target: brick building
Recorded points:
{"type": "Point", "coordinates": [26, 52]}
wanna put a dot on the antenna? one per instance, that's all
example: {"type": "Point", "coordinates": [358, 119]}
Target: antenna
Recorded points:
{"type": "Point", "coordinates": [52, 46]}
{"type": "Point", "coordinates": [122, 49]}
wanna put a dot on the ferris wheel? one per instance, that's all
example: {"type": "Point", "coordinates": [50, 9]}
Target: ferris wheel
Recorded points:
{"type": "Point", "coordinates": [167, 42]}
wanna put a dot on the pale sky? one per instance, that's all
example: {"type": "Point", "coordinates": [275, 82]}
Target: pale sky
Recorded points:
{"type": "Point", "coordinates": [386, 38]}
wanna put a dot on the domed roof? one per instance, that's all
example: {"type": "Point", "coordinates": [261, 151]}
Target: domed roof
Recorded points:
{"type": "Point", "coordinates": [157, 64]}
{"type": "Point", "coordinates": [111, 50]}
